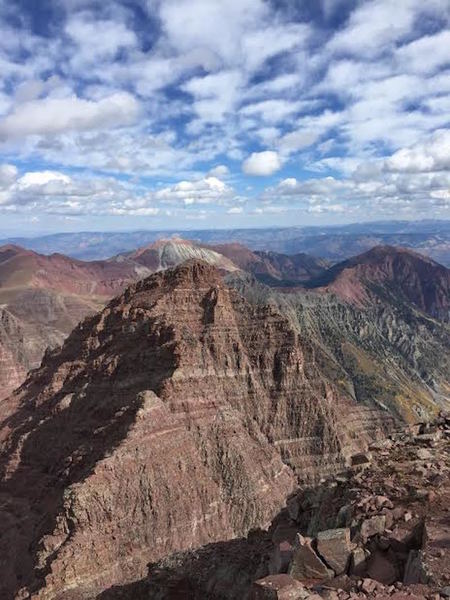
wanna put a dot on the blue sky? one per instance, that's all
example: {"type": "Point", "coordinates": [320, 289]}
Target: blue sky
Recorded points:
{"type": "Point", "coordinates": [204, 113]}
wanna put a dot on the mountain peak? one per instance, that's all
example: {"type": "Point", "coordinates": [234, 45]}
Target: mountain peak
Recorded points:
{"type": "Point", "coordinates": [390, 270]}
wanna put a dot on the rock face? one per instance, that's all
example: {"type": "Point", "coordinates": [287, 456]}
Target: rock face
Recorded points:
{"type": "Point", "coordinates": [161, 424]}
{"type": "Point", "coordinates": [180, 415]}
{"type": "Point", "coordinates": [42, 298]}
{"type": "Point", "coordinates": [168, 253]}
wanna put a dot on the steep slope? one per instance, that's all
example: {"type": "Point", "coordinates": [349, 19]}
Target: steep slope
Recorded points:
{"type": "Point", "coordinates": [273, 268]}
{"type": "Point", "coordinates": [167, 253]}
{"type": "Point", "coordinates": [42, 298]}
{"type": "Point", "coordinates": [395, 272]}
{"type": "Point", "coordinates": [177, 416]}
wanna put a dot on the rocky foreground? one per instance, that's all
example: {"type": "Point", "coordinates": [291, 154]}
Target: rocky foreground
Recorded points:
{"type": "Point", "coordinates": [380, 529]}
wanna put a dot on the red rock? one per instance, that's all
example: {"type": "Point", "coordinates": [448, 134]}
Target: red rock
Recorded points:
{"type": "Point", "coordinates": [281, 558]}
{"type": "Point", "coordinates": [374, 525]}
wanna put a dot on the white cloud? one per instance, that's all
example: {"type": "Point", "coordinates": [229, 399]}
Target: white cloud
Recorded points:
{"type": "Point", "coordinates": [431, 155]}
{"type": "Point", "coordinates": [97, 39]}
{"type": "Point", "coordinates": [209, 190]}
{"type": "Point", "coordinates": [214, 95]}
{"type": "Point", "coordinates": [297, 140]}
{"type": "Point", "coordinates": [262, 163]}
{"type": "Point", "coordinates": [39, 178]}
{"type": "Point", "coordinates": [8, 174]}
{"type": "Point", "coordinates": [57, 115]}
{"type": "Point", "coordinates": [235, 210]}
{"type": "Point", "coordinates": [426, 54]}
{"type": "Point", "coordinates": [271, 111]}
{"type": "Point", "coordinates": [376, 25]}
{"type": "Point", "coordinates": [219, 171]}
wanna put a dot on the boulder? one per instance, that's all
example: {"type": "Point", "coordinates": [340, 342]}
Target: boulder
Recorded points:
{"type": "Point", "coordinates": [305, 564]}
{"type": "Point", "coordinates": [362, 458]}
{"type": "Point", "coordinates": [334, 547]}
{"type": "Point", "coordinates": [373, 526]}
{"type": "Point", "coordinates": [424, 454]}
{"type": "Point", "coordinates": [278, 587]}
{"type": "Point", "coordinates": [415, 570]}
{"type": "Point", "coordinates": [358, 562]}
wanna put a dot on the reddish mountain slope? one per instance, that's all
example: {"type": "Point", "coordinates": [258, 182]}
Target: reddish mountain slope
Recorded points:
{"type": "Point", "coordinates": [23, 268]}
{"type": "Point", "coordinates": [398, 272]}
{"type": "Point", "coordinates": [274, 268]}
{"type": "Point", "coordinates": [42, 298]}
{"type": "Point", "coordinates": [177, 416]}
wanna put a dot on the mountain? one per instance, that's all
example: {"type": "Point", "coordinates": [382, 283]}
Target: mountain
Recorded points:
{"type": "Point", "coordinates": [42, 298]}
{"type": "Point", "coordinates": [166, 253]}
{"type": "Point", "coordinates": [273, 268]}
{"type": "Point", "coordinates": [333, 243]}
{"type": "Point", "coordinates": [180, 415]}
{"type": "Point", "coordinates": [397, 272]}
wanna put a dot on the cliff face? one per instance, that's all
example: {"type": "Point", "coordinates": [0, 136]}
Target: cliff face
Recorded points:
{"type": "Point", "coordinates": [177, 416]}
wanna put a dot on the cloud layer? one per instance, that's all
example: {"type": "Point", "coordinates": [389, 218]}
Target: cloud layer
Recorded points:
{"type": "Point", "coordinates": [249, 109]}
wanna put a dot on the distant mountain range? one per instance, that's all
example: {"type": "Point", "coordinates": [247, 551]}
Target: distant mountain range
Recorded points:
{"type": "Point", "coordinates": [334, 243]}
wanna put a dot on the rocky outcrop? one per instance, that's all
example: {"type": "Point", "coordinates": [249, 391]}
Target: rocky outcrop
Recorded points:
{"type": "Point", "coordinates": [43, 298]}
{"type": "Point", "coordinates": [167, 253]}
{"type": "Point", "coordinates": [180, 415]}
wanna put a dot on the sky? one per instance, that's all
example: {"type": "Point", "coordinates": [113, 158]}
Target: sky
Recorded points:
{"type": "Point", "coordinates": [151, 114]}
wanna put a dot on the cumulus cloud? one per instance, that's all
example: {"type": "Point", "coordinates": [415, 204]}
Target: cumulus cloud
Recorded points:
{"type": "Point", "coordinates": [57, 115]}
{"type": "Point", "coordinates": [54, 192]}
{"type": "Point", "coordinates": [432, 155]}
{"type": "Point", "coordinates": [262, 163]}
{"type": "Point", "coordinates": [219, 171]}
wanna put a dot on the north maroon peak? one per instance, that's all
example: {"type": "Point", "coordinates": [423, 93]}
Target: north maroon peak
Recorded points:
{"type": "Point", "coordinates": [177, 416]}
{"type": "Point", "coordinates": [401, 272]}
